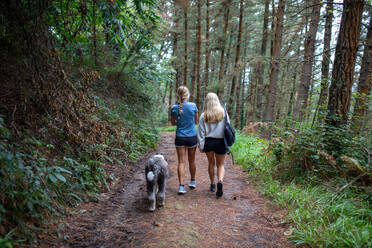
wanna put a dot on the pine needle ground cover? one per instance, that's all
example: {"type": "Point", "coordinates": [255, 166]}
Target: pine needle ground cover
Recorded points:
{"type": "Point", "coordinates": [317, 215]}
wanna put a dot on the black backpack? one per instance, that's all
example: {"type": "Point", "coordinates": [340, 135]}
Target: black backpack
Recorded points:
{"type": "Point", "coordinates": [229, 133]}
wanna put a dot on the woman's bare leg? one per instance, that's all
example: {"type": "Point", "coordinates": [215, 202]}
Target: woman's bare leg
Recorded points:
{"type": "Point", "coordinates": [220, 161]}
{"type": "Point", "coordinates": [191, 158]}
{"type": "Point", "coordinates": [181, 154]}
{"type": "Point", "coordinates": [211, 165]}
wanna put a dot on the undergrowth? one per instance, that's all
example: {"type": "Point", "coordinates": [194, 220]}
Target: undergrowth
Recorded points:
{"type": "Point", "coordinates": [37, 180]}
{"type": "Point", "coordinates": [320, 214]}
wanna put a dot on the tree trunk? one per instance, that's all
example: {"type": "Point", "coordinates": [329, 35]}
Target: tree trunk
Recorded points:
{"type": "Point", "coordinates": [193, 76]}
{"type": "Point", "coordinates": [260, 65]}
{"type": "Point", "coordinates": [176, 54]}
{"type": "Point", "coordinates": [271, 96]}
{"type": "Point", "coordinates": [236, 71]}
{"type": "Point", "coordinates": [198, 57]}
{"type": "Point", "coordinates": [307, 68]}
{"type": "Point", "coordinates": [364, 83]}
{"type": "Point", "coordinates": [220, 85]}
{"type": "Point", "coordinates": [272, 27]}
{"type": "Point", "coordinates": [326, 60]}
{"type": "Point", "coordinates": [207, 51]}
{"type": "Point", "coordinates": [185, 53]}
{"type": "Point", "coordinates": [94, 32]}
{"type": "Point", "coordinates": [291, 98]}
{"type": "Point", "coordinates": [175, 66]}
{"type": "Point", "coordinates": [343, 68]}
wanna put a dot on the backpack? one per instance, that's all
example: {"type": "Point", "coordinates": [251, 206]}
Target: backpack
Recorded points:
{"type": "Point", "coordinates": [229, 136]}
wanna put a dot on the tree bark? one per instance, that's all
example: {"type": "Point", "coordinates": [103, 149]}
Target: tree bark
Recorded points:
{"type": "Point", "coordinates": [236, 71]}
{"type": "Point", "coordinates": [176, 54]}
{"type": "Point", "coordinates": [260, 65]}
{"type": "Point", "coordinates": [326, 59]}
{"type": "Point", "coordinates": [343, 68]}
{"type": "Point", "coordinates": [193, 75]}
{"type": "Point", "coordinates": [185, 51]}
{"type": "Point", "coordinates": [198, 57]}
{"type": "Point", "coordinates": [307, 68]}
{"type": "Point", "coordinates": [271, 96]}
{"type": "Point", "coordinates": [220, 85]}
{"type": "Point", "coordinates": [94, 32]}
{"type": "Point", "coordinates": [207, 50]}
{"type": "Point", "coordinates": [364, 83]}
{"type": "Point", "coordinates": [175, 66]}
{"type": "Point", "coordinates": [272, 27]}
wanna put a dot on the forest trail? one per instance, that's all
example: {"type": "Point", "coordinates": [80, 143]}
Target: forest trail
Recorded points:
{"type": "Point", "coordinates": [241, 218]}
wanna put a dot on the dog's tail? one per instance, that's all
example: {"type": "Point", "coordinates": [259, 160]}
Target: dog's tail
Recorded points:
{"type": "Point", "coordinates": [150, 176]}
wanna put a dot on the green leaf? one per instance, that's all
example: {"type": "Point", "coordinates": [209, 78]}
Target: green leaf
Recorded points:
{"type": "Point", "coordinates": [52, 178]}
{"type": "Point", "coordinates": [60, 177]}
{"type": "Point", "coordinates": [60, 169]}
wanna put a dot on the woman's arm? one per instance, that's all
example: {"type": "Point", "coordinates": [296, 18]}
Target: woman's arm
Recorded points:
{"type": "Point", "coordinates": [201, 134]}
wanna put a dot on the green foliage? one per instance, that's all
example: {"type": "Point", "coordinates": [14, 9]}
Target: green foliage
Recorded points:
{"type": "Point", "coordinates": [167, 129]}
{"type": "Point", "coordinates": [171, 128]}
{"type": "Point", "coordinates": [32, 184]}
{"type": "Point", "coordinates": [122, 28]}
{"type": "Point", "coordinates": [140, 134]}
{"type": "Point", "coordinates": [315, 150]}
{"type": "Point", "coordinates": [36, 182]}
{"type": "Point", "coordinates": [100, 113]}
{"type": "Point", "coordinates": [319, 215]}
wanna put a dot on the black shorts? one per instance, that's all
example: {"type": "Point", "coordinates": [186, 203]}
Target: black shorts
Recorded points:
{"type": "Point", "coordinates": [215, 145]}
{"type": "Point", "coordinates": [189, 142]}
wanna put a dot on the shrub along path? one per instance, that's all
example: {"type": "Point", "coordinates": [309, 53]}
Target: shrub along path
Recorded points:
{"type": "Point", "coordinates": [241, 218]}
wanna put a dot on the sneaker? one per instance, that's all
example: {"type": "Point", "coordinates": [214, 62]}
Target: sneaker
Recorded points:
{"type": "Point", "coordinates": [192, 184]}
{"type": "Point", "coordinates": [212, 187]}
{"type": "Point", "coordinates": [219, 192]}
{"type": "Point", "coordinates": [181, 190]}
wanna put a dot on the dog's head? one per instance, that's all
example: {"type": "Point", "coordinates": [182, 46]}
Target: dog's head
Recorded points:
{"type": "Point", "coordinates": [154, 159]}
{"type": "Point", "coordinates": [159, 156]}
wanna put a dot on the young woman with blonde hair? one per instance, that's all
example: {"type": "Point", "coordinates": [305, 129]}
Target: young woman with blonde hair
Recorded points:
{"type": "Point", "coordinates": [211, 139]}
{"type": "Point", "coordinates": [184, 114]}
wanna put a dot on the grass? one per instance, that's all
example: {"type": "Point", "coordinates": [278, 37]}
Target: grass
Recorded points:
{"type": "Point", "coordinates": [167, 129]}
{"type": "Point", "coordinates": [318, 216]}
{"type": "Point", "coordinates": [170, 128]}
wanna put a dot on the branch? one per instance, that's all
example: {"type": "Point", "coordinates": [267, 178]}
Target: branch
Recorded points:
{"type": "Point", "coordinates": [353, 181]}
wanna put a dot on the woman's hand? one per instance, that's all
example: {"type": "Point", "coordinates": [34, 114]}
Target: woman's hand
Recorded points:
{"type": "Point", "coordinates": [201, 151]}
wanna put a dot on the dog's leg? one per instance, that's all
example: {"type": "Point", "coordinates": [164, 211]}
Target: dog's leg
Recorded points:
{"type": "Point", "coordinates": [161, 194]}
{"type": "Point", "coordinates": [151, 189]}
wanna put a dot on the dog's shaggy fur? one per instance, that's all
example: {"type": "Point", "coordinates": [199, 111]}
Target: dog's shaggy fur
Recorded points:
{"type": "Point", "coordinates": [156, 176]}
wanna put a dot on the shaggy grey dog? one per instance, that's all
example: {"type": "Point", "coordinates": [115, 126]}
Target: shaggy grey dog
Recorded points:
{"type": "Point", "coordinates": [156, 176]}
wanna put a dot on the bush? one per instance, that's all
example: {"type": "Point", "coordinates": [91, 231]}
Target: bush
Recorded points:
{"type": "Point", "coordinates": [309, 150]}
{"type": "Point", "coordinates": [319, 214]}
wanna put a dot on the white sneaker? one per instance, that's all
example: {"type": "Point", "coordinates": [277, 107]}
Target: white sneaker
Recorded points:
{"type": "Point", "coordinates": [192, 184]}
{"type": "Point", "coordinates": [181, 190]}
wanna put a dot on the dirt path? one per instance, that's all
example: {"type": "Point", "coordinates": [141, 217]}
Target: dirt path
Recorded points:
{"type": "Point", "coordinates": [241, 218]}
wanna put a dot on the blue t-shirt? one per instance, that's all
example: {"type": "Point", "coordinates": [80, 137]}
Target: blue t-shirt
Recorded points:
{"type": "Point", "coordinates": [186, 122]}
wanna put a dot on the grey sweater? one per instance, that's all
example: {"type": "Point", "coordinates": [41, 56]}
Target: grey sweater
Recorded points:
{"type": "Point", "coordinates": [210, 130]}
